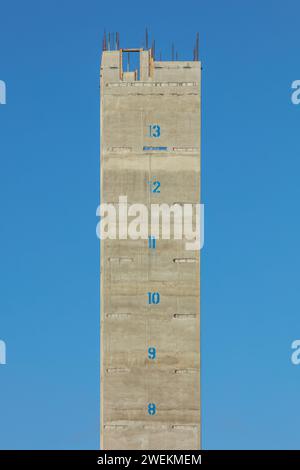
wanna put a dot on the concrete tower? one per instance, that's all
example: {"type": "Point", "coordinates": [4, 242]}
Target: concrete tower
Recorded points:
{"type": "Point", "coordinates": [150, 289]}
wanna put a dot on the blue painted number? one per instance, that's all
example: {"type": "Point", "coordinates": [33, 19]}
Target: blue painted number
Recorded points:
{"type": "Point", "coordinates": [154, 130]}
{"type": "Point", "coordinates": [156, 186]}
{"type": "Point", "coordinates": [153, 298]}
{"type": "Point", "coordinates": [151, 408]}
{"type": "Point", "coordinates": [151, 353]}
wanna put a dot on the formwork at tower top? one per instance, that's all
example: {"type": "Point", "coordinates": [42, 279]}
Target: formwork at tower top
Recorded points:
{"type": "Point", "coordinates": [150, 402]}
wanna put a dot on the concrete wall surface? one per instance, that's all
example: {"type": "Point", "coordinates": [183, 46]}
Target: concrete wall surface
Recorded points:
{"type": "Point", "coordinates": [165, 94]}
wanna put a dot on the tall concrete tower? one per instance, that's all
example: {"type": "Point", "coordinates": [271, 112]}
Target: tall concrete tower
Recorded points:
{"type": "Point", "coordinates": [150, 289]}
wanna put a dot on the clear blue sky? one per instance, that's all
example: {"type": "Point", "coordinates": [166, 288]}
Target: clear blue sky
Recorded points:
{"type": "Point", "coordinates": [49, 191]}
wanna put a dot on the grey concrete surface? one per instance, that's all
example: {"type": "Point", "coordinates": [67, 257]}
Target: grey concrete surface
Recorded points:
{"type": "Point", "coordinates": [168, 94]}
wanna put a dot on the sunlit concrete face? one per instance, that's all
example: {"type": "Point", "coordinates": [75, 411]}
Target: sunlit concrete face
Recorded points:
{"type": "Point", "coordinates": [164, 94]}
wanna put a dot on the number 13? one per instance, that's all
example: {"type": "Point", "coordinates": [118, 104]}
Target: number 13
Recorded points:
{"type": "Point", "coordinates": [154, 130]}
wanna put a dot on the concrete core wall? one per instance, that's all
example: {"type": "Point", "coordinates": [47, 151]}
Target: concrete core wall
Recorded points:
{"type": "Point", "coordinates": [168, 95]}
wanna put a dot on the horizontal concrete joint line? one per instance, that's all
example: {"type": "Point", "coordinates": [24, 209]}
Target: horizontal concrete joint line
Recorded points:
{"type": "Point", "coordinates": [186, 149]}
{"type": "Point", "coordinates": [118, 315]}
{"type": "Point", "coordinates": [112, 370]}
{"type": "Point", "coordinates": [185, 371]}
{"type": "Point", "coordinates": [115, 427]}
{"type": "Point", "coordinates": [182, 203]}
{"type": "Point", "coordinates": [151, 84]}
{"type": "Point", "coordinates": [184, 260]}
{"type": "Point", "coordinates": [184, 427]}
{"type": "Point", "coordinates": [119, 149]}
{"type": "Point", "coordinates": [121, 259]}
{"type": "Point", "coordinates": [184, 316]}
